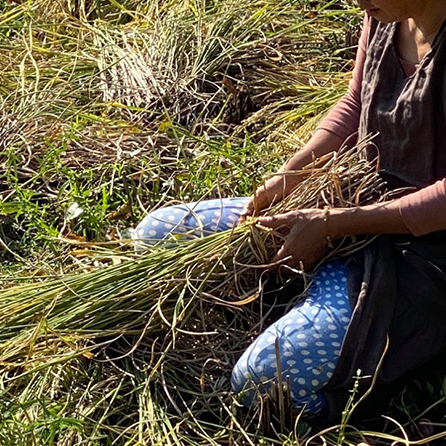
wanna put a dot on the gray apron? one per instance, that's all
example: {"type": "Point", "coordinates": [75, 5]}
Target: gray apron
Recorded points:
{"type": "Point", "coordinates": [397, 285]}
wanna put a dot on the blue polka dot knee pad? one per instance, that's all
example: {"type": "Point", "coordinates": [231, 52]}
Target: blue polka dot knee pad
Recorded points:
{"type": "Point", "coordinates": [309, 339]}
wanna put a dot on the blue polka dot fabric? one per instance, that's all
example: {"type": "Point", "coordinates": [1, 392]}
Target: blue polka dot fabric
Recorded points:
{"type": "Point", "coordinates": [309, 336]}
{"type": "Point", "coordinates": [195, 219]}
{"type": "Point", "coordinates": [309, 339]}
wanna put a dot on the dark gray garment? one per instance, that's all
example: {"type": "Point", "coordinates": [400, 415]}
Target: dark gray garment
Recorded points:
{"type": "Point", "coordinates": [397, 285]}
{"type": "Point", "coordinates": [407, 112]}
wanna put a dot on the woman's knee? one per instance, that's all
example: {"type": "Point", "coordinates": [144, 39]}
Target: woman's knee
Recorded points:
{"type": "Point", "coordinates": [190, 220]}
{"type": "Point", "coordinates": [251, 377]}
{"type": "Point", "coordinates": [159, 224]}
{"type": "Point", "coordinates": [271, 358]}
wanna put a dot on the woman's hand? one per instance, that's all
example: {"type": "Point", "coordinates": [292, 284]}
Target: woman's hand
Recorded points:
{"type": "Point", "coordinates": [311, 229]}
{"type": "Point", "coordinates": [306, 243]}
{"type": "Point", "coordinates": [279, 186]}
{"type": "Point", "coordinates": [270, 193]}
{"type": "Point", "coordinates": [273, 191]}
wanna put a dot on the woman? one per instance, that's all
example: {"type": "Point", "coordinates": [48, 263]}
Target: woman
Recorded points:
{"type": "Point", "coordinates": [389, 300]}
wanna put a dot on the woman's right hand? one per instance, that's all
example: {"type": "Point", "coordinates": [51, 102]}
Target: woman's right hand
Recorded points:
{"type": "Point", "coordinates": [271, 192]}
{"type": "Point", "coordinates": [279, 186]}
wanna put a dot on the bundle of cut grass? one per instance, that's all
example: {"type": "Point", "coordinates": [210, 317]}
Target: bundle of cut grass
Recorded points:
{"type": "Point", "coordinates": [189, 305]}
{"type": "Point", "coordinates": [157, 291]}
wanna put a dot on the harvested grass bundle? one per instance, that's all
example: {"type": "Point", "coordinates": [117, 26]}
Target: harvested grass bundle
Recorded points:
{"type": "Point", "coordinates": [218, 268]}
{"type": "Point", "coordinates": [185, 309]}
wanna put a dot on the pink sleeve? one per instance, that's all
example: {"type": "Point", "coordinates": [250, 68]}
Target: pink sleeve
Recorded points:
{"type": "Point", "coordinates": [343, 119]}
{"type": "Point", "coordinates": [424, 211]}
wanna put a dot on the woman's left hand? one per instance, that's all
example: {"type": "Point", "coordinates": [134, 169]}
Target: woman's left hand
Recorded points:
{"type": "Point", "coordinates": [306, 243]}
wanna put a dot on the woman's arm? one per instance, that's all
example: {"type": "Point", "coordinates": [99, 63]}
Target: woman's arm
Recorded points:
{"type": "Point", "coordinates": [379, 218]}
{"type": "Point", "coordinates": [279, 186]}
{"type": "Point", "coordinates": [343, 118]}
{"type": "Point", "coordinates": [335, 128]}
{"type": "Point", "coordinates": [424, 211]}
{"type": "Point", "coordinates": [312, 230]}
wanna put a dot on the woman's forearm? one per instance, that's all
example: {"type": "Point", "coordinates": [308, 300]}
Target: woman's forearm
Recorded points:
{"type": "Point", "coordinates": [309, 229]}
{"type": "Point", "coordinates": [279, 186]}
{"type": "Point", "coordinates": [380, 218]}
{"type": "Point", "coordinates": [321, 143]}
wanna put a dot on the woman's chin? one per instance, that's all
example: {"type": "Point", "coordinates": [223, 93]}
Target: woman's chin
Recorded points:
{"type": "Point", "coordinates": [382, 16]}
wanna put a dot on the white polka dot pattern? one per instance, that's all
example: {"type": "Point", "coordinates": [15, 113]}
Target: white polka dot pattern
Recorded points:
{"type": "Point", "coordinates": [309, 336]}
{"type": "Point", "coordinates": [309, 339]}
{"type": "Point", "coordinates": [191, 220]}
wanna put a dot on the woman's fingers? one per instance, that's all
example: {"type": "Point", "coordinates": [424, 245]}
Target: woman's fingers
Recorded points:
{"type": "Point", "coordinates": [290, 251]}
{"type": "Point", "coordinates": [271, 192]}
{"type": "Point", "coordinates": [283, 253]}
{"type": "Point", "coordinates": [254, 205]}
{"type": "Point", "coordinates": [305, 243]}
{"type": "Point", "coordinates": [247, 211]}
{"type": "Point", "coordinates": [286, 250]}
{"type": "Point", "coordinates": [275, 221]}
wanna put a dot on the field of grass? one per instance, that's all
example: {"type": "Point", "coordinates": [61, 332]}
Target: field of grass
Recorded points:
{"type": "Point", "coordinates": [110, 109]}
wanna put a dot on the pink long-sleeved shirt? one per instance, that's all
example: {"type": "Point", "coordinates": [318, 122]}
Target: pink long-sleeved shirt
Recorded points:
{"type": "Point", "coordinates": [423, 211]}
